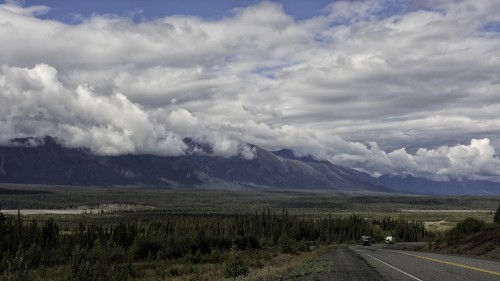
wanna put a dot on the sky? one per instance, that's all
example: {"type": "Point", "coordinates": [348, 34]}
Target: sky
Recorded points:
{"type": "Point", "coordinates": [385, 87]}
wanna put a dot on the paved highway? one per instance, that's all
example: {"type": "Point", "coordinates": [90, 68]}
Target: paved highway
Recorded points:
{"type": "Point", "coordinates": [393, 264]}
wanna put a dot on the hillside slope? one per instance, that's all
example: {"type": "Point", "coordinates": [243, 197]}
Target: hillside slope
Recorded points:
{"type": "Point", "coordinates": [51, 163]}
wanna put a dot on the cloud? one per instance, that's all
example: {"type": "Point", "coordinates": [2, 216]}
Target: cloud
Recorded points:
{"type": "Point", "coordinates": [476, 160]}
{"type": "Point", "coordinates": [33, 102]}
{"type": "Point", "coordinates": [15, 7]}
{"type": "Point", "coordinates": [381, 88]}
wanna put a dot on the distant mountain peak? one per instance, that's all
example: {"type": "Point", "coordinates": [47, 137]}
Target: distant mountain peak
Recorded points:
{"type": "Point", "coordinates": [47, 161]}
{"type": "Point", "coordinates": [53, 163]}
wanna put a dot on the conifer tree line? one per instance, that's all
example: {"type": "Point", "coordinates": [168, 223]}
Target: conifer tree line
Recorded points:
{"type": "Point", "coordinates": [196, 237]}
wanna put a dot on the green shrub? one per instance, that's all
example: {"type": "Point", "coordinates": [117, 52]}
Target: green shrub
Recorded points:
{"type": "Point", "coordinates": [234, 265]}
{"type": "Point", "coordinates": [145, 248]}
{"type": "Point", "coordinates": [470, 225]}
{"type": "Point", "coordinates": [17, 268]}
{"type": "Point", "coordinates": [286, 244]}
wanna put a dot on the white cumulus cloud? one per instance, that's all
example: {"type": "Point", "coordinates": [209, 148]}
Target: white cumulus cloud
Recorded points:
{"type": "Point", "coordinates": [406, 89]}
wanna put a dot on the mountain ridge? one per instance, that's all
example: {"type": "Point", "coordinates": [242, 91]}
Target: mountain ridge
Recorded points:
{"type": "Point", "coordinates": [51, 163]}
{"type": "Point", "coordinates": [47, 161]}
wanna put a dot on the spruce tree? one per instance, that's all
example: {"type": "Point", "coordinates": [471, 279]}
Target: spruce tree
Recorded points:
{"type": "Point", "coordinates": [496, 218]}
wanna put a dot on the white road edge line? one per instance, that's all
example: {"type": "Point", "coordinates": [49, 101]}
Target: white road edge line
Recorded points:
{"type": "Point", "coordinates": [391, 266]}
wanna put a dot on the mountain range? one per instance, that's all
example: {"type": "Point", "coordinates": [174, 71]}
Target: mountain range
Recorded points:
{"type": "Point", "coordinates": [54, 164]}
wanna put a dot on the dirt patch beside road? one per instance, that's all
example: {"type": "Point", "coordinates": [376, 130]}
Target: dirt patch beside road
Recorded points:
{"type": "Point", "coordinates": [339, 264]}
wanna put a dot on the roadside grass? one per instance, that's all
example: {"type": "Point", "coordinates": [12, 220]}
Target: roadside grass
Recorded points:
{"type": "Point", "coordinates": [277, 266]}
{"type": "Point", "coordinates": [483, 242]}
{"type": "Point", "coordinates": [265, 265]}
{"type": "Point", "coordinates": [289, 266]}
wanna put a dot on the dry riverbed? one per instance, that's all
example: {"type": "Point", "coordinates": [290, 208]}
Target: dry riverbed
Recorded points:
{"type": "Point", "coordinates": [85, 209]}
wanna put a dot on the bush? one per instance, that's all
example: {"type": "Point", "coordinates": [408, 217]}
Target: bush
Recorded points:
{"type": "Point", "coordinates": [286, 244]}
{"type": "Point", "coordinates": [85, 266]}
{"type": "Point", "coordinates": [144, 248]}
{"type": "Point", "coordinates": [234, 265]}
{"type": "Point", "coordinates": [469, 225]}
{"type": "Point", "coordinates": [33, 256]}
{"type": "Point", "coordinates": [17, 268]}
{"type": "Point", "coordinates": [464, 229]}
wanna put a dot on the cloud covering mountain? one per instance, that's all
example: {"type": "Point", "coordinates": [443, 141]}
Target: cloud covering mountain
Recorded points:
{"type": "Point", "coordinates": [406, 88]}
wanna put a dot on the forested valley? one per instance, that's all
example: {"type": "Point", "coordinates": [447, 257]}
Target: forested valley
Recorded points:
{"type": "Point", "coordinates": [176, 244]}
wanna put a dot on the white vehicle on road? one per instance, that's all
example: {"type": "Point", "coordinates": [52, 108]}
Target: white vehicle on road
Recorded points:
{"type": "Point", "coordinates": [389, 240]}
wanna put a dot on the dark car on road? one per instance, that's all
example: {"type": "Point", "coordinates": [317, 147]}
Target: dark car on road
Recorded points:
{"type": "Point", "coordinates": [366, 240]}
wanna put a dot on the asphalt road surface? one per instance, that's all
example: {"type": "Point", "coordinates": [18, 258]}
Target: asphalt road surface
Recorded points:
{"type": "Point", "coordinates": [390, 263]}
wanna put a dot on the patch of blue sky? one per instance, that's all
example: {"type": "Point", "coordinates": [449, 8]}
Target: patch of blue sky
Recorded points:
{"type": "Point", "coordinates": [390, 8]}
{"type": "Point", "coordinates": [271, 72]}
{"type": "Point", "coordinates": [322, 40]}
{"type": "Point", "coordinates": [73, 11]}
{"type": "Point", "coordinates": [69, 10]}
{"type": "Point", "coordinates": [384, 9]}
{"type": "Point", "coordinates": [396, 8]}
{"type": "Point", "coordinates": [491, 27]}
{"type": "Point", "coordinates": [338, 22]}
{"type": "Point", "coordinates": [303, 9]}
